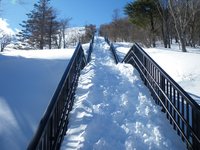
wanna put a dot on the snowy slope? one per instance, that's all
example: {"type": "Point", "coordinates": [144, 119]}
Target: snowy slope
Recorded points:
{"type": "Point", "coordinates": [182, 67]}
{"type": "Point", "coordinates": [114, 110]}
{"type": "Point", "coordinates": [28, 80]}
{"type": "Point", "coordinates": [73, 35]}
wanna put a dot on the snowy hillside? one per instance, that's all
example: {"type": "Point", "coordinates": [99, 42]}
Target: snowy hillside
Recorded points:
{"type": "Point", "coordinates": [182, 67]}
{"type": "Point", "coordinates": [28, 80]}
{"type": "Point", "coordinates": [73, 35]}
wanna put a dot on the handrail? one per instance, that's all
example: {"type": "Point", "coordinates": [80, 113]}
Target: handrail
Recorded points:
{"type": "Point", "coordinates": [114, 53]}
{"type": "Point", "coordinates": [107, 40]}
{"type": "Point", "coordinates": [53, 124]}
{"type": "Point", "coordinates": [112, 50]}
{"type": "Point", "coordinates": [90, 50]}
{"type": "Point", "coordinates": [181, 110]}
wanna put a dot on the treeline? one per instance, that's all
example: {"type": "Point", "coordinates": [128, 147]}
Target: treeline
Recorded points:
{"type": "Point", "coordinates": [156, 20]}
{"type": "Point", "coordinates": [122, 30]}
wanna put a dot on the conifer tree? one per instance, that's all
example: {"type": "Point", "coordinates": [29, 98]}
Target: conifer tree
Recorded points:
{"type": "Point", "coordinates": [143, 13]}
{"type": "Point", "coordinates": [41, 26]}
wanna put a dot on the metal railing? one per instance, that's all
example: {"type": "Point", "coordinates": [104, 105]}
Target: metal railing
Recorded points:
{"type": "Point", "coordinates": [181, 110]}
{"type": "Point", "coordinates": [53, 125]}
{"type": "Point", "coordinates": [90, 50]}
{"type": "Point", "coordinates": [116, 58]}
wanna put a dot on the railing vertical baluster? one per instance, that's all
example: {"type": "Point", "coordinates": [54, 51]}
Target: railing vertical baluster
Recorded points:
{"type": "Point", "coordinates": [167, 104]}
{"type": "Point", "coordinates": [187, 118]}
{"type": "Point", "coordinates": [174, 103]}
{"type": "Point", "coordinates": [170, 96]}
{"type": "Point", "coordinates": [195, 126]}
{"type": "Point", "coordinates": [178, 106]}
{"type": "Point", "coordinates": [145, 72]}
{"type": "Point", "coordinates": [162, 81]}
{"type": "Point", "coordinates": [181, 110]}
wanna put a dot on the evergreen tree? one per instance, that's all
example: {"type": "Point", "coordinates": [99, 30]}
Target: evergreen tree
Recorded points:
{"type": "Point", "coordinates": [41, 26]}
{"type": "Point", "coordinates": [143, 13]}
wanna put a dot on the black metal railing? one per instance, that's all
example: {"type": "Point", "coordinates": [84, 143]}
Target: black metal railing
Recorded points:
{"type": "Point", "coordinates": [107, 40]}
{"type": "Point", "coordinates": [116, 58]}
{"type": "Point", "coordinates": [90, 50]}
{"type": "Point", "coordinates": [53, 125]}
{"type": "Point", "coordinates": [181, 110]}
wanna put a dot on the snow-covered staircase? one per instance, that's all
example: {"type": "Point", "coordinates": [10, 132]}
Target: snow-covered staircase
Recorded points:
{"type": "Point", "coordinates": [113, 106]}
{"type": "Point", "coordinates": [114, 110]}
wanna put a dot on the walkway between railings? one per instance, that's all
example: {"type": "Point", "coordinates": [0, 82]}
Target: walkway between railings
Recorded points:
{"type": "Point", "coordinates": [114, 110]}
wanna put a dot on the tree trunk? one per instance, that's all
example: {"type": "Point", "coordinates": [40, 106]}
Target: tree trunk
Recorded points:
{"type": "Point", "coordinates": [41, 43]}
{"type": "Point", "coordinates": [183, 42]}
{"type": "Point", "coordinates": [152, 31]}
{"type": "Point", "coordinates": [64, 44]}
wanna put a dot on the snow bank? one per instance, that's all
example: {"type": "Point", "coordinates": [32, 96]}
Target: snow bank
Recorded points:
{"type": "Point", "coordinates": [182, 67]}
{"type": "Point", "coordinates": [28, 81]}
{"type": "Point", "coordinates": [114, 110]}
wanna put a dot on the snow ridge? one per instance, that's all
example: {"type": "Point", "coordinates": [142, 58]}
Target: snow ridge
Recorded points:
{"type": "Point", "coordinates": [114, 110]}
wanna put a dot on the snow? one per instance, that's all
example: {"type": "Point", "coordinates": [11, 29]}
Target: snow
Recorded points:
{"type": "Point", "coordinates": [182, 67]}
{"type": "Point", "coordinates": [73, 35]}
{"type": "Point", "coordinates": [28, 81]}
{"type": "Point", "coordinates": [114, 110]}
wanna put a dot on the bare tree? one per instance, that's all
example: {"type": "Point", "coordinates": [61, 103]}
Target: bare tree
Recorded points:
{"type": "Point", "coordinates": [64, 24]}
{"type": "Point", "coordinates": [183, 12]}
{"type": "Point", "coordinates": [4, 41]}
{"type": "Point", "coordinates": [163, 9]}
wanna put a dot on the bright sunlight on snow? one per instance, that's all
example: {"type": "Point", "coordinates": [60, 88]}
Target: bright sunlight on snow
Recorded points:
{"type": "Point", "coordinates": [114, 110]}
{"type": "Point", "coordinates": [182, 67]}
{"type": "Point", "coordinates": [28, 81]}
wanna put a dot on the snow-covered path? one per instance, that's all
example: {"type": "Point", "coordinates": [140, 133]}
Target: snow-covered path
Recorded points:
{"type": "Point", "coordinates": [114, 110]}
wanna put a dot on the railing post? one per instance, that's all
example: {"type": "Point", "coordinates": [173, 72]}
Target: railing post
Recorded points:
{"type": "Point", "coordinates": [196, 128]}
{"type": "Point", "coordinates": [182, 111]}
{"type": "Point", "coordinates": [162, 85]}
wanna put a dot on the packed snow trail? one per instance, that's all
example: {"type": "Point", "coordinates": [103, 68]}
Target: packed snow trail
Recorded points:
{"type": "Point", "coordinates": [114, 110]}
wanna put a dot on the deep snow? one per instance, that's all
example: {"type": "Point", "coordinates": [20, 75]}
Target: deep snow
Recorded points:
{"type": "Point", "coordinates": [28, 80]}
{"type": "Point", "coordinates": [114, 110]}
{"type": "Point", "coordinates": [182, 67]}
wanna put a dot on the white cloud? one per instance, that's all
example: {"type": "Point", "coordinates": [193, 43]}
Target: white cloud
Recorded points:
{"type": "Point", "coordinates": [4, 27]}
{"type": "Point", "coordinates": [13, 1]}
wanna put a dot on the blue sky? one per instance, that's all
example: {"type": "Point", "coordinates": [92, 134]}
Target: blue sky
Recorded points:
{"type": "Point", "coordinates": [82, 12]}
